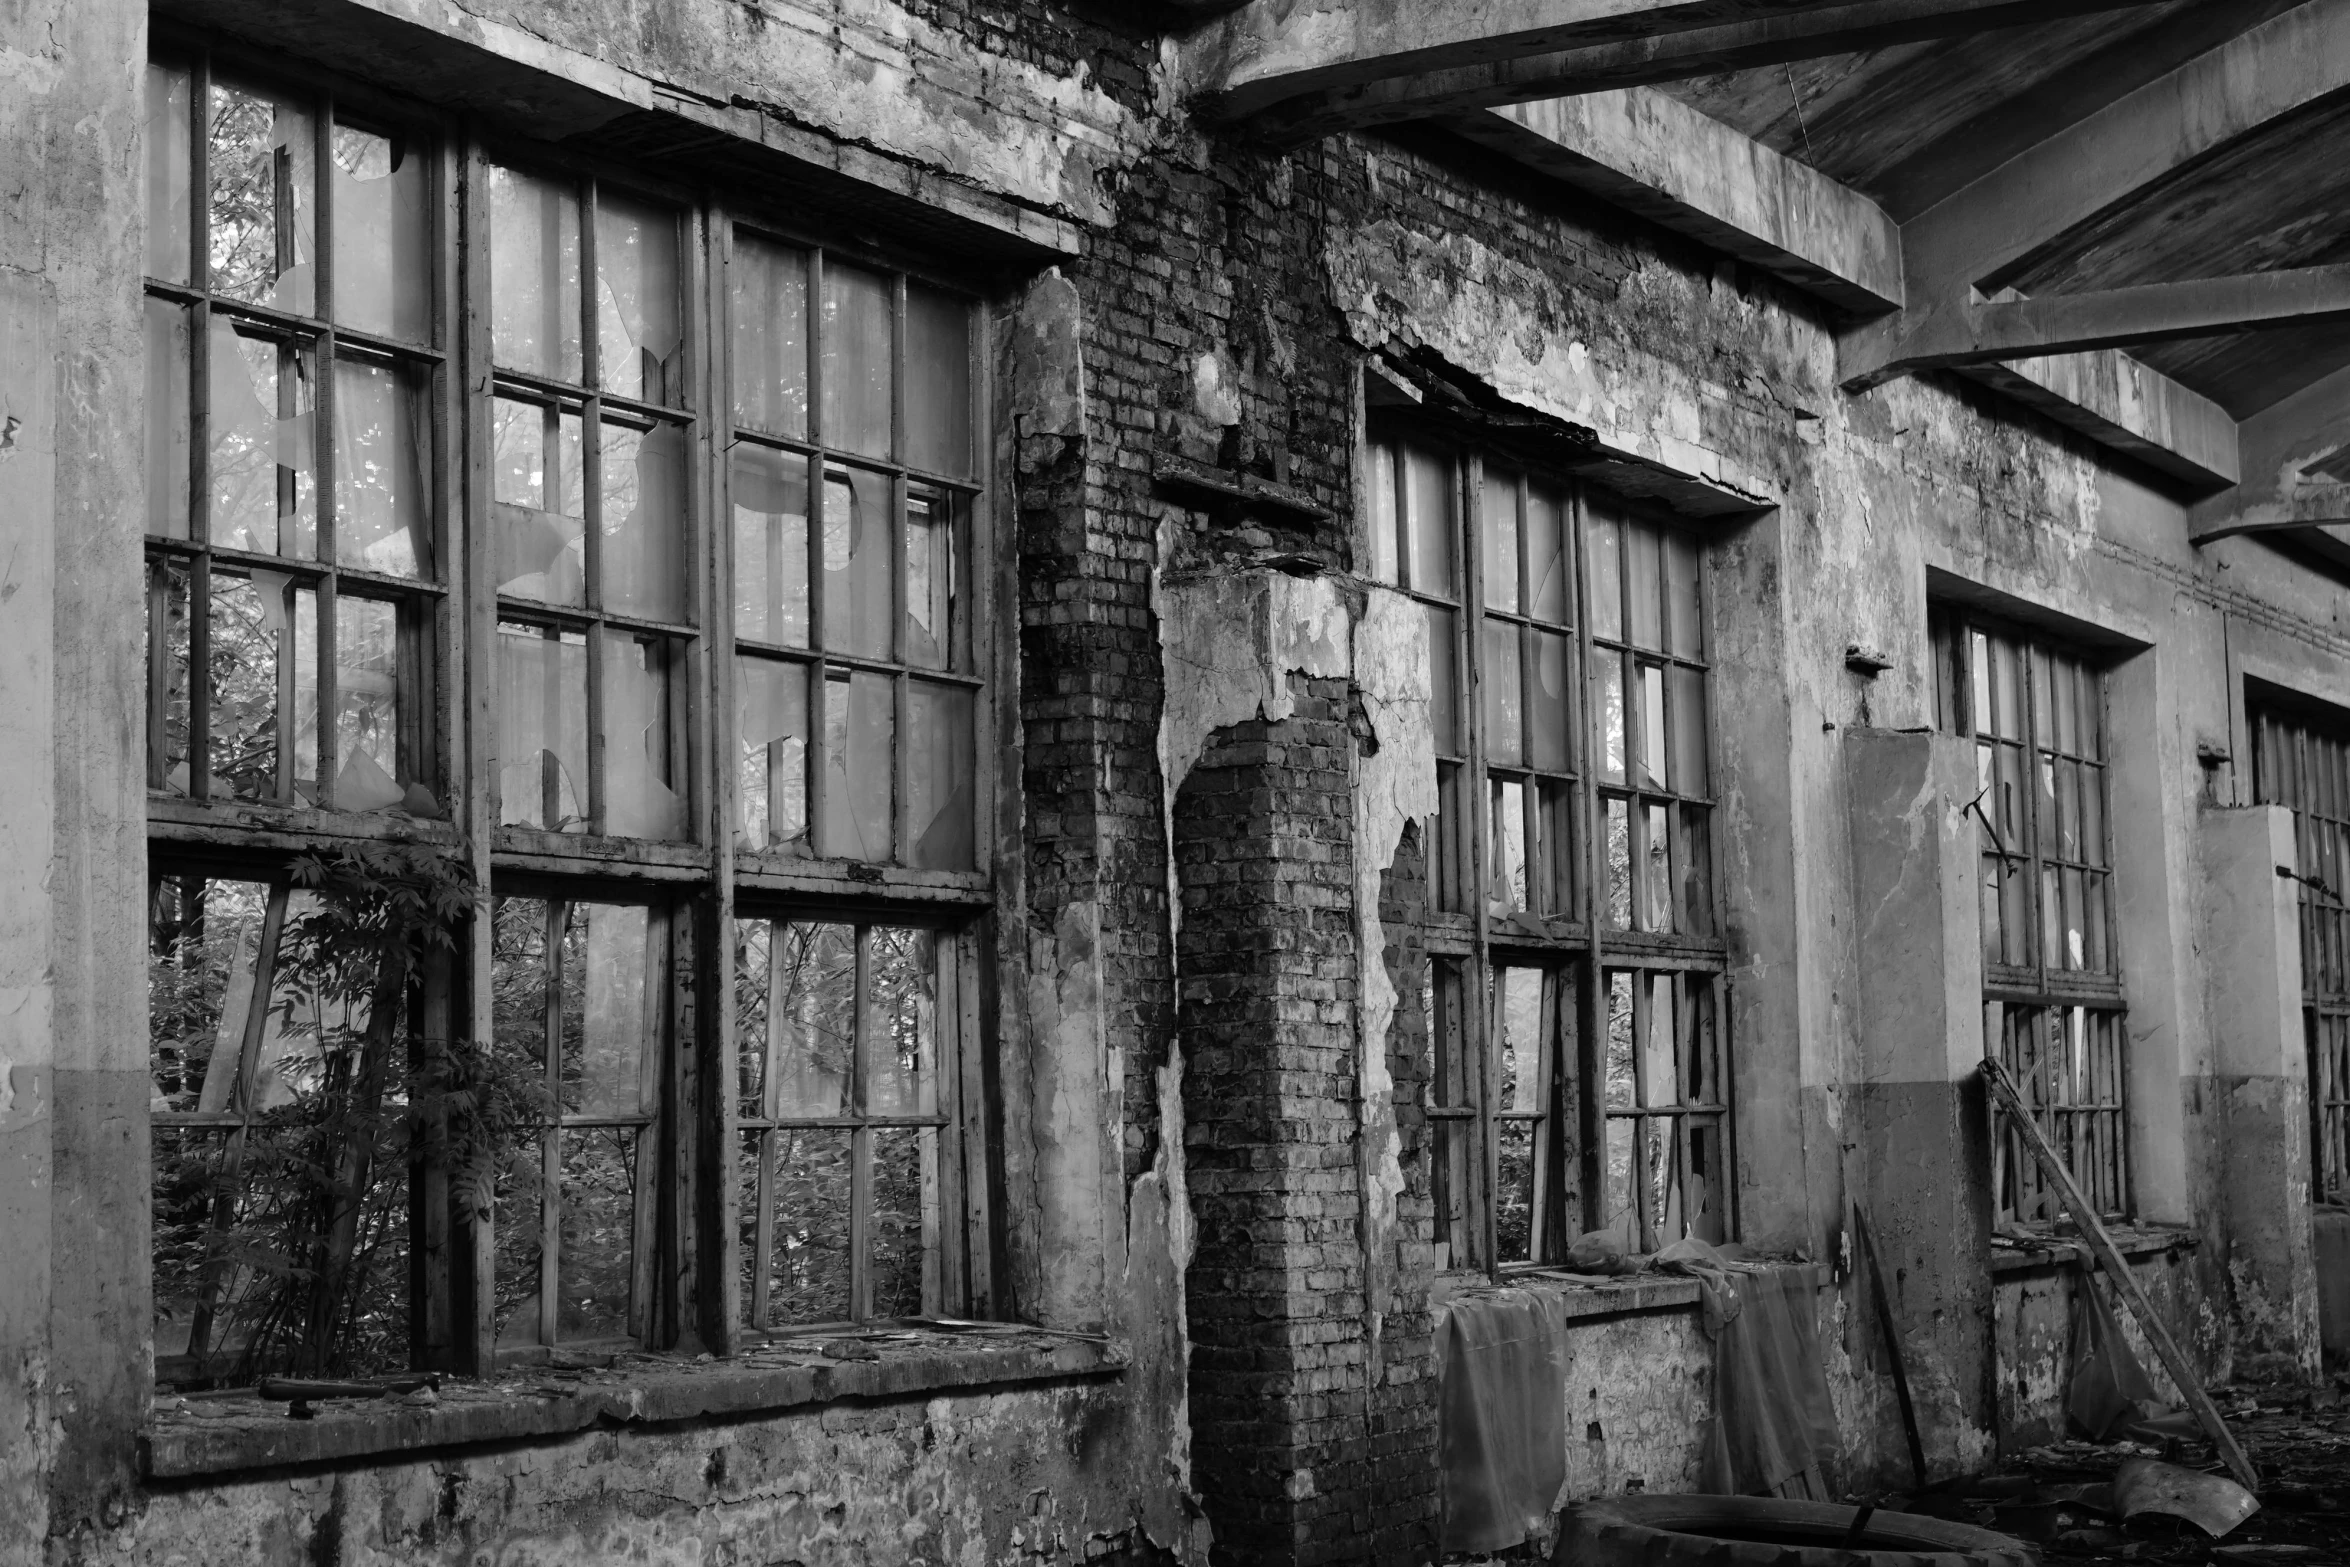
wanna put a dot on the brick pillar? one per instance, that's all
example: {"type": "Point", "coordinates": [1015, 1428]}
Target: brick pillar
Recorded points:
{"type": "Point", "coordinates": [1282, 1421]}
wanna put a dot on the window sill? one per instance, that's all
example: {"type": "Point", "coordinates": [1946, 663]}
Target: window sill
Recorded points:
{"type": "Point", "coordinates": [1631, 1294]}
{"type": "Point", "coordinates": [207, 1436]}
{"type": "Point", "coordinates": [176, 818]}
{"type": "Point", "coordinates": [2021, 1253]}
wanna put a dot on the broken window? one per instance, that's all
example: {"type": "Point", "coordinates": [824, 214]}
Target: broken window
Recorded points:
{"type": "Point", "coordinates": [856, 676]}
{"type": "Point", "coordinates": [2035, 708]}
{"type": "Point", "coordinates": [581, 993]}
{"type": "Point", "coordinates": [2301, 760]}
{"type": "Point", "coordinates": [850, 1082]}
{"type": "Point", "coordinates": [384, 359]}
{"type": "Point", "coordinates": [1571, 870]}
{"type": "Point", "coordinates": [589, 432]}
{"type": "Point", "coordinates": [290, 459]}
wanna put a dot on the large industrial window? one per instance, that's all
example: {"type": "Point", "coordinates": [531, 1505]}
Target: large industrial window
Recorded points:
{"type": "Point", "coordinates": [1576, 1013]}
{"type": "Point", "coordinates": [2052, 998]}
{"type": "Point", "coordinates": [491, 622]}
{"type": "Point", "coordinates": [2301, 759]}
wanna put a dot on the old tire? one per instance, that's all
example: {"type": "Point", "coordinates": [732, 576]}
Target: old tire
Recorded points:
{"type": "Point", "coordinates": [1751, 1531]}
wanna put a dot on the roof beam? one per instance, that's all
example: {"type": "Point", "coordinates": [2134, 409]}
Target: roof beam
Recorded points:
{"type": "Point", "coordinates": [2126, 407]}
{"type": "Point", "coordinates": [2261, 75]}
{"type": "Point", "coordinates": [1307, 70]}
{"type": "Point", "coordinates": [1947, 336]}
{"type": "Point", "coordinates": [1656, 156]}
{"type": "Point", "coordinates": [2296, 459]}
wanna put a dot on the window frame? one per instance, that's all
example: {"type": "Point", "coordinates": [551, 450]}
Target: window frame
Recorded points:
{"type": "Point", "coordinates": [2062, 1032]}
{"type": "Point", "coordinates": [2315, 787]}
{"type": "Point", "coordinates": [1471, 943]}
{"type": "Point", "coordinates": [700, 876]}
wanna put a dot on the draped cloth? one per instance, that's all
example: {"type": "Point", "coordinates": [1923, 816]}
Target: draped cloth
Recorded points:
{"type": "Point", "coordinates": [1502, 1416]}
{"type": "Point", "coordinates": [1774, 1430]}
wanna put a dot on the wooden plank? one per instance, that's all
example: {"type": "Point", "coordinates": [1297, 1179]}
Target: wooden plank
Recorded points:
{"type": "Point", "coordinates": [1900, 1360]}
{"type": "Point", "coordinates": [2110, 1258]}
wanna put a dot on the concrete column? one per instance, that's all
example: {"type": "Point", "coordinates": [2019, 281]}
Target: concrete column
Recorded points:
{"type": "Point", "coordinates": [1923, 1137]}
{"type": "Point", "coordinates": [2252, 963]}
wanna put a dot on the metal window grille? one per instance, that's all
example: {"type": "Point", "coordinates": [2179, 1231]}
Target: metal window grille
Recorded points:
{"type": "Point", "coordinates": [2301, 760]}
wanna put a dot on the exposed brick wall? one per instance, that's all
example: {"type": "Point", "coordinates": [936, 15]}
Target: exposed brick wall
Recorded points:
{"type": "Point", "coordinates": [1281, 1424]}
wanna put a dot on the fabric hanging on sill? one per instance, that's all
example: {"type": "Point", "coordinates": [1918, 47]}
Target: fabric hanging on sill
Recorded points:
{"type": "Point", "coordinates": [1502, 1417]}
{"type": "Point", "coordinates": [1773, 1432]}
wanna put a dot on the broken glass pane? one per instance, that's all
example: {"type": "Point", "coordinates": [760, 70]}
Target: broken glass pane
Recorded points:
{"type": "Point", "coordinates": [643, 794]}
{"type": "Point", "coordinates": [1506, 889]}
{"type": "Point", "coordinates": [1444, 700]}
{"type": "Point", "coordinates": [859, 797]}
{"type": "Point", "coordinates": [202, 935]}
{"type": "Point", "coordinates": [1546, 713]}
{"type": "Point", "coordinates": [643, 566]}
{"type": "Point", "coordinates": [1607, 577]}
{"type": "Point", "coordinates": [383, 457]}
{"type": "Point", "coordinates": [168, 173]}
{"type": "Point", "coordinates": [302, 653]}
{"type": "Point", "coordinates": [1505, 734]}
{"type": "Point", "coordinates": [771, 729]}
{"type": "Point", "coordinates": [1697, 902]}
{"type": "Point", "coordinates": [1660, 1060]}
{"type": "Point", "coordinates": [857, 355]}
{"type": "Point", "coordinates": [536, 483]}
{"type": "Point", "coordinates": [367, 705]}
{"type": "Point", "coordinates": [809, 1274]}
{"type": "Point", "coordinates": [640, 346]}
{"type": "Point", "coordinates": [935, 591]}
{"type": "Point", "coordinates": [857, 552]}
{"type": "Point", "coordinates": [542, 727]}
{"type": "Point", "coordinates": [261, 150]}
{"type": "Point", "coordinates": [1518, 1014]}
{"type": "Point", "coordinates": [1556, 806]}
{"type": "Point", "coordinates": [1662, 1138]}
{"type": "Point", "coordinates": [1617, 1202]}
{"type": "Point", "coordinates": [1618, 849]}
{"type": "Point", "coordinates": [606, 1056]}
{"type": "Point", "coordinates": [938, 381]}
{"type": "Point", "coordinates": [383, 234]}
{"type": "Point", "coordinates": [516, 1272]}
{"type": "Point", "coordinates": [596, 1254]}
{"type": "Point", "coordinates": [264, 485]}
{"type": "Point", "coordinates": [754, 970]}
{"type": "Point", "coordinates": [904, 1249]}
{"type": "Point", "coordinates": [1652, 727]}
{"type": "Point", "coordinates": [1513, 1191]}
{"type": "Point", "coordinates": [901, 1022]}
{"type": "Point", "coordinates": [1500, 508]}
{"type": "Point", "coordinates": [767, 295]}
{"type": "Point", "coordinates": [168, 656]}
{"type": "Point", "coordinates": [770, 495]}
{"type": "Point", "coordinates": [1622, 1086]}
{"type": "Point", "coordinates": [939, 801]}
{"type": "Point", "coordinates": [249, 633]}
{"type": "Point", "coordinates": [812, 1017]}
{"type": "Point", "coordinates": [1550, 597]}
{"type": "Point", "coordinates": [167, 419]}
{"type": "Point", "coordinates": [534, 274]}
{"type": "Point", "coordinates": [1656, 887]}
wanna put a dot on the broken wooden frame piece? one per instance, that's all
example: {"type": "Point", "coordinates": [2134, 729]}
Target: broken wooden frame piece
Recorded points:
{"type": "Point", "coordinates": [2110, 1258]}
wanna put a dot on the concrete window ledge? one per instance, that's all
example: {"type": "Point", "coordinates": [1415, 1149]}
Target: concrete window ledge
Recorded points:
{"type": "Point", "coordinates": [2064, 1251]}
{"type": "Point", "coordinates": [204, 1436]}
{"type": "Point", "coordinates": [1628, 1295]}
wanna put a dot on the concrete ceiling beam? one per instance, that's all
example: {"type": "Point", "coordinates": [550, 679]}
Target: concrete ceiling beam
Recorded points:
{"type": "Point", "coordinates": [1946, 336]}
{"type": "Point", "coordinates": [2296, 468]}
{"type": "Point", "coordinates": [1656, 156]}
{"type": "Point", "coordinates": [2125, 406]}
{"type": "Point", "coordinates": [1302, 71]}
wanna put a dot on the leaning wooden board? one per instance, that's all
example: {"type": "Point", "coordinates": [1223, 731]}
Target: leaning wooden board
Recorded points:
{"type": "Point", "coordinates": [2110, 1257]}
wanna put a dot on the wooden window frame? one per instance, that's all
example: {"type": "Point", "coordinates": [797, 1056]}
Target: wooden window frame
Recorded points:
{"type": "Point", "coordinates": [1471, 942]}
{"type": "Point", "coordinates": [450, 634]}
{"type": "Point", "coordinates": [2061, 1030]}
{"type": "Point", "coordinates": [2301, 760]}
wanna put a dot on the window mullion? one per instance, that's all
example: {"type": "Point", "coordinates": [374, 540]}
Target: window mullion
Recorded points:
{"type": "Point", "coordinates": [1591, 1132]}
{"type": "Point", "coordinates": [1467, 485]}
{"type": "Point", "coordinates": [861, 1138]}
{"type": "Point", "coordinates": [551, 1149]}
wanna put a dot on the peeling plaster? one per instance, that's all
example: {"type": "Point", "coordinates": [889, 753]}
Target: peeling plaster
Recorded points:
{"type": "Point", "coordinates": [1393, 786]}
